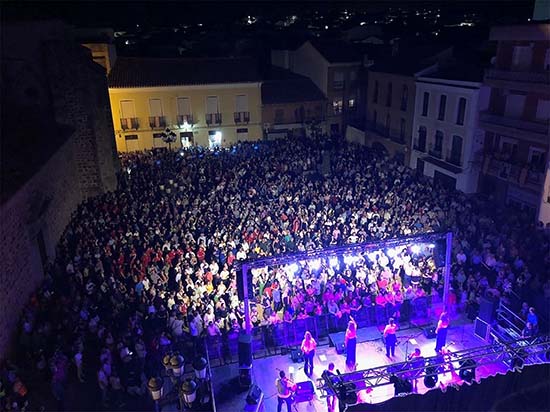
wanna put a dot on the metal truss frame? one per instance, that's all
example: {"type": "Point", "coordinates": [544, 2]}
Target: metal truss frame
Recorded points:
{"type": "Point", "coordinates": [517, 353]}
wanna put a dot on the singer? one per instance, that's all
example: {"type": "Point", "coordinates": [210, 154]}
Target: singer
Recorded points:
{"type": "Point", "coordinates": [389, 336]}
{"type": "Point", "coordinates": [308, 349]}
{"type": "Point", "coordinates": [441, 331]}
{"type": "Point", "coordinates": [350, 342]}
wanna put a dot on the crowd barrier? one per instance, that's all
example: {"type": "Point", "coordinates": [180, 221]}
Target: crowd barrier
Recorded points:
{"type": "Point", "coordinates": [282, 337]}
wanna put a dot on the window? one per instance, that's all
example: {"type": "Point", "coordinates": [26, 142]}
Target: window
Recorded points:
{"type": "Point", "coordinates": [422, 133]}
{"type": "Point", "coordinates": [388, 123]}
{"type": "Point", "coordinates": [521, 57]}
{"type": "Point", "coordinates": [537, 158]}
{"type": "Point", "coordinates": [242, 134]}
{"type": "Point", "coordinates": [374, 118]}
{"type": "Point", "coordinates": [456, 151]}
{"type": "Point", "coordinates": [425, 104]}
{"type": "Point", "coordinates": [514, 105]}
{"type": "Point", "coordinates": [241, 103]}
{"type": "Point", "coordinates": [212, 104]}
{"type": "Point", "coordinates": [156, 119]}
{"type": "Point", "coordinates": [508, 146]}
{"type": "Point", "coordinates": [279, 116]}
{"type": "Point", "coordinates": [127, 109]}
{"type": "Point", "coordinates": [461, 111]}
{"type": "Point", "coordinates": [402, 129]}
{"type": "Point", "coordinates": [442, 106]}
{"type": "Point", "coordinates": [353, 75]}
{"type": "Point", "coordinates": [438, 141]}
{"type": "Point", "coordinates": [547, 60]}
{"type": "Point", "coordinates": [184, 106]}
{"type": "Point", "coordinates": [131, 137]}
{"type": "Point", "coordinates": [186, 139]}
{"type": "Point", "coordinates": [389, 95]}
{"type": "Point", "coordinates": [375, 95]}
{"type": "Point", "coordinates": [404, 97]}
{"type": "Point", "coordinates": [351, 103]}
{"type": "Point", "coordinates": [338, 82]}
{"type": "Point", "coordinates": [337, 106]}
{"type": "Point", "coordinates": [543, 110]}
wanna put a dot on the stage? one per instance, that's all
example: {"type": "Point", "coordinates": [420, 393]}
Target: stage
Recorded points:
{"type": "Point", "coordinates": [370, 353]}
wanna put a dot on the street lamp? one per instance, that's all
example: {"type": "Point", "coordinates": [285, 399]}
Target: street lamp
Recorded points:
{"type": "Point", "coordinates": [169, 136]}
{"type": "Point", "coordinates": [155, 386]}
{"type": "Point", "coordinates": [177, 364]}
{"type": "Point", "coordinates": [200, 368]}
{"type": "Point", "coordinates": [188, 393]}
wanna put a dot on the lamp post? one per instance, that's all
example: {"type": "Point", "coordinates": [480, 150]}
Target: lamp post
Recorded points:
{"type": "Point", "coordinates": [177, 364]}
{"type": "Point", "coordinates": [169, 136]}
{"type": "Point", "coordinates": [188, 393]}
{"type": "Point", "coordinates": [155, 386]}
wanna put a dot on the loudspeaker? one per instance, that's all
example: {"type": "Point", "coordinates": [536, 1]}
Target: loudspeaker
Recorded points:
{"type": "Point", "coordinates": [429, 332]}
{"type": "Point", "coordinates": [240, 284]}
{"type": "Point", "coordinates": [245, 377]}
{"type": "Point", "coordinates": [440, 251]}
{"type": "Point", "coordinates": [487, 310]}
{"type": "Point", "coordinates": [296, 355]}
{"type": "Point", "coordinates": [254, 395]}
{"type": "Point", "coordinates": [245, 350]}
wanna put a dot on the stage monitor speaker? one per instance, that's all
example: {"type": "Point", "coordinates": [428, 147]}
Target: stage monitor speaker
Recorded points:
{"type": "Point", "coordinates": [487, 310]}
{"type": "Point", "coordinates": [440, 252]}
{"type": "Point", "coordinates": [305, 392]}
{"type": "Point", "coordinates": [429, 332]}
{"type": "Point", "coordinates": [254, 395]}
{"type": "Point", "coordinates": [245, 350]}
{"type": "Point", "coordinates": [297, 356]}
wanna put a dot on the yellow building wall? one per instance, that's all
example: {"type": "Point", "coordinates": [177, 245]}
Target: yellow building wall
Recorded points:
{"type": "Point", "coordinates": [226, 94]}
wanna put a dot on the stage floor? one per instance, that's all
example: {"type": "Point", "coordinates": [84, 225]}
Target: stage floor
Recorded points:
{"type": "Point", "coordinates": [369, 354]}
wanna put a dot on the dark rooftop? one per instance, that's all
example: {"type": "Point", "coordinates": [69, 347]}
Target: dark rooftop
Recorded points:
{"type": "Point", "coordinates": [150, 72]}
{"type": "Point", "coordinates": [290, 90]}
{"type": "Point", "coordinates": [411, 60]}
{"type": "Point", "coordinates": [336, 51]}
{"type": "Point", "coordinates": [459, 71]}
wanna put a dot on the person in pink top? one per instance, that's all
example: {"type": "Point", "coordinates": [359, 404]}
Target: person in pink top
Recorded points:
{"type": "Point", "coordinates": [308, 349]}
{"type": "Point", "coordinates": [390, 337]}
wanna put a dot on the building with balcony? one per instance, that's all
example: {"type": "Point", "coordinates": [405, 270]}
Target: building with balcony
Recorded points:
{"type": "Point", "coordinates": [57, 150]}
{"type": "Point", "coordinates": [292, 106]}
{"type": "Point", "coordinates": [333, 66]}
{"type": "Point", "coordinates": [391, 94]}
{"type": "Point", "coordinates": [206, 102]}
{"type": "Point", "coordinates": [447, 140]}
{"type": "Point", "coordinates": [516, 123]}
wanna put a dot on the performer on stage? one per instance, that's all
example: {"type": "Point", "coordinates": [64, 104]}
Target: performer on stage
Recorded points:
{"type": "Point", "coordinates": [327, 375]}
{"type": "Point", "coordinates": [308, 349]}
{"type": "Point", "coordinates": [441, 331]}
{"type": "Point", "coordinates": [350, 342]}
{"type": "Point", "coordinates": [284, 391]}
{"type": "Point", "coordinates": [389, 336]}
{"type": "Point", "coordinates": [416, 361]}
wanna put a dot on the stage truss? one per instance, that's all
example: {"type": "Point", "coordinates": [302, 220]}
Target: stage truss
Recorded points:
{"type": "Point", "coordinates": [515, 354]}
{"type": "Point", "coordinates": [244, 268]}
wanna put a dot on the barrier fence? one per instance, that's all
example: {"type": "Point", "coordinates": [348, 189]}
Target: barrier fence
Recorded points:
{"type": "Point", "coordinates": [282, 337]}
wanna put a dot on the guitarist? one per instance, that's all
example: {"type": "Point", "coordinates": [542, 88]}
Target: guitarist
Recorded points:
{"type": "Point", "coordinates": [284, 391]}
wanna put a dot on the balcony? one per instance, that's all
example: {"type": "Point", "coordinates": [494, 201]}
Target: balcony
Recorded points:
{"type": "Point", "coordinates": [184, 118]}
{"type": "Point", "coordinates": [157, 122]}
{"type": "Point", "coordinates": [338, 85]}
{"type": "Point", "coordinates": [523, 175]}
{"type": "Point", "coordinates": [454, 159]}
{"type": "Point", "coordinates": [213, 118]}
{"type": "Point", "coordinates": [129, 123]}
{"type": "Point", "coordinates": [526, 129]}
{"type": "Point", "coordinates": [241, 117]}
{"type": "Point", "coordinates": [524, 77]}
{"type": "Point", "coordinates": [436, 152]}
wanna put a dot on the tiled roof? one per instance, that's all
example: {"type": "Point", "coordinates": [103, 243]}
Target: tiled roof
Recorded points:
{"type": "Point", "coordinates": [150, 72]}
{"type": "Point", "coordinates": [336, 51]}
{"type": "Point", "coordinates": [290, 90]}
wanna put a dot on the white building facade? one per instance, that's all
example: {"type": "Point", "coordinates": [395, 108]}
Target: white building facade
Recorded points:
{"type": "Point", "coordinates": [447, 141]}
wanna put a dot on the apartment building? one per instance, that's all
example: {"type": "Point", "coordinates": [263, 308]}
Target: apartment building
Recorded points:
{"type": "Point", "coordinates": [448, 142]}
{"type": "Point", "coordinates": [333, 66]}
{"type": "Point", "coordinates": [207, 102]}
{"type": "Point", "coordinates": [516, 123]}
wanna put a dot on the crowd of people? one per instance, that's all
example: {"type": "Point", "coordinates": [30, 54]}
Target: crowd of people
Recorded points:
{"type": "Point", "coordinates": [150, 267]}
